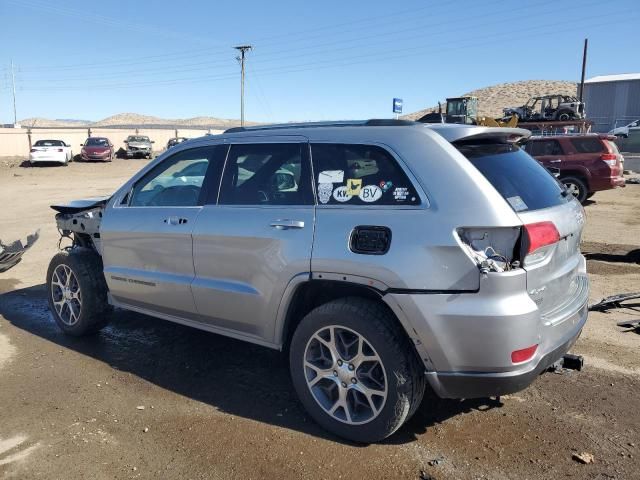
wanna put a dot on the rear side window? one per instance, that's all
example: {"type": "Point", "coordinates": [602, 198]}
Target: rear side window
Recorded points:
{"type": "Point", "coordinates": [538, 148]}
{"type": "Point", "coordinates": [359, 175]}
{"type": "Point", "coordinates": [587, 145]}
{"type": "Point", "coordinates": [522, 181]}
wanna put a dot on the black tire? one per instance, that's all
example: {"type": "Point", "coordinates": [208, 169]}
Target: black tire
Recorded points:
{"type": "Point", "coordinates": [578, 187]}
{"type": "Point", "coordinates": [403, 369]}
{"type": "Point", "coordinates": [94, 309]}
{"type": "Point", "coordinates": [565, 116]}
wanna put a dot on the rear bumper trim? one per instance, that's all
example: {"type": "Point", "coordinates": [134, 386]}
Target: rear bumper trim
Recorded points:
{"type": "Point", "coordinates": [482, 385]}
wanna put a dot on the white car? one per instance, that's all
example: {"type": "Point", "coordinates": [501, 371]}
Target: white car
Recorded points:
{"type": "Point", "coordinates": [624, 131]}
{"type": "Point", "coordinates": [50, 151]}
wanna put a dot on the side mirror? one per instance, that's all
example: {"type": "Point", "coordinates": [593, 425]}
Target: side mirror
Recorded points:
{"type": "Point", "coordinates": [82, 144]}
{"type": "Point", "coordinates": [153, 141]}
{"type": "Point", "coordinates": [125, 141]}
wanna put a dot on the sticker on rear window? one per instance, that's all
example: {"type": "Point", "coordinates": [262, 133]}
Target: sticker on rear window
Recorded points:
{"type": "Point", "coordinates": [517, 203]}
{"type": "Point", "coordinates": [331, 176]}
{"type": "Point", "coordinates": [324, 192]}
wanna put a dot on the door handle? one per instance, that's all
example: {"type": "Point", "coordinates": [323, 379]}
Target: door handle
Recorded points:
{"type": "Point", "coordinates": [287, 224]}
{"type": "Point", "coordinates": [175, 220]}
{"type": "Point", "coordinates": [555, 161]}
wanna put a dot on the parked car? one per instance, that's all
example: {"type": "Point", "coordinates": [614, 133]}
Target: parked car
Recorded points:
{"type": "Point", "coordinates": [561, 108]}
{"type": "Point", "coordinates": [588, 163]}
{"type": "Point", "coordinates": [50, 151]}
{"type": "Point", "coordinates": [175, 141]}
{"type": "Point", "coordinates": [624, 131]}
{"type": "Point", "coordinates": [97, 148]}
{"type": "Point", "coordinates": [138, 146]}
{"type": "Point", "coordinates": [382, 255]}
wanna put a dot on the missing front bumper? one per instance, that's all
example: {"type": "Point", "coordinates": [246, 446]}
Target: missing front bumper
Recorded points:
{"type": "Point", "coordinates": [11, 254]}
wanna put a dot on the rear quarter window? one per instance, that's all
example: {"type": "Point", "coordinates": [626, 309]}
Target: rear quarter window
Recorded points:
{"type": "Point", "coordinates": [522, 181]}
{"type": "Point", "coordinates": [587, 145]}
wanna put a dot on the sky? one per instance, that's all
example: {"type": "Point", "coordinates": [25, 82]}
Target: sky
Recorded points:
{"type": "Point", "coordinates": [311, 60]}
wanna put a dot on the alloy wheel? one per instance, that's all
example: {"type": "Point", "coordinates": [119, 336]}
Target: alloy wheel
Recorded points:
{"type": "Point", "coordinates": [345, 375]}
{"type": "Point", "coordinates": [66, 295]}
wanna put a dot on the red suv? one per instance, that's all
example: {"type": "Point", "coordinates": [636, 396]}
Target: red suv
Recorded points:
{"type": "Point", "coordinates": [587, 163]}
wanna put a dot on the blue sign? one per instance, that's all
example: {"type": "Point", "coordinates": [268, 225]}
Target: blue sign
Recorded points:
{"type": "Point", "coordinates": [397, 105]}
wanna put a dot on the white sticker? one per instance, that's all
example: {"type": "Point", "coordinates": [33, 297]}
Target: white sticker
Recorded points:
{"type": "Point", "coordinates": [331, 176]}
{"type": "Point", "coordinates": [400, 194]}
{"type": "Point", "coordinates": [324, 192]}
{"type": "Point", "coordinates": [517, 203]}
{"type": "Point", "coordinates": [370, 193]}
{"type": "Point", "coordinates": [341, 195]}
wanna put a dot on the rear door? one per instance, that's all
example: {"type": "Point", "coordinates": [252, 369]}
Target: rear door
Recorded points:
{"type": "Point", "coordinates": [549, 152]}
{"type": "Point", "coordinates": [147, 245]}
{"type": "Point", "coordinates": [255, 236]}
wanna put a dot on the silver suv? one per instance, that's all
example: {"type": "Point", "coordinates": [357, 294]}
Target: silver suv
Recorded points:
{"type": "Point", "coordinates": [382, 255]}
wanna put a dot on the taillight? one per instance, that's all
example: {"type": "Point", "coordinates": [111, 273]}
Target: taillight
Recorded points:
{"type": "Point", "coordinates": [540, 235]}
{"type": "Point", "coordinates": [33, 150]}
{"type": "Point", "coordinates": [609, 159]}
{"type": "Point", "coordinates": [523, 355]}
{"type": "Point", "coordinates": [60, 150]}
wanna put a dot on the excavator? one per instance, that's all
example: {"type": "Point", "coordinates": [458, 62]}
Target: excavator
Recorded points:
{"type": "Point", "coordinates": [465, 110]}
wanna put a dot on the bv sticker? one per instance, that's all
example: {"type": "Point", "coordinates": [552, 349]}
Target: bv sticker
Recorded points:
{"type": "Point", "coordinates": [324, 192]}
{"type": "Point", "coordinates": [331, 176]}
{"type": "Point", "coordinates": [341, 194]}
{"type": "Point", "coordinates": [354, 185]}
{"type": "Point", "coordinates": [370, 193]}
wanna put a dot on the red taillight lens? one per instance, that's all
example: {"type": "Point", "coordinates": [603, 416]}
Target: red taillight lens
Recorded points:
{"type": "Point", "coordinates": [60, 150]}
{"type": "Point", "coordinates": [33, 150]}
{"type": "Point", "coordinates": [540, 235]}
{"type": "Point", "coordinates": [523, 355]}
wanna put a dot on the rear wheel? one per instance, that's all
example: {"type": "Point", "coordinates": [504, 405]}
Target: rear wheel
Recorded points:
{"type": "Point", "coordinates": [354, 369]}
{"type": "Point", "coordinates": [77, 292]}
{"type": "Point", "coordinates": [565, 115]}
{"type": "Point", "coordinates": [576, 187]}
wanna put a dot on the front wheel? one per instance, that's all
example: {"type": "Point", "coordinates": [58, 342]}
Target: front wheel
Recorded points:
{"type": "Point", "coordinates": [354, 369]}
{"type": "Point", "coordinates": [77, 292]}
{"type": "Point", "coordinates": [576, 187]}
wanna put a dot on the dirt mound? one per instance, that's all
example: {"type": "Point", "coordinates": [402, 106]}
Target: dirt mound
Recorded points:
{"type": "Point", "coordinates": [494, 98]}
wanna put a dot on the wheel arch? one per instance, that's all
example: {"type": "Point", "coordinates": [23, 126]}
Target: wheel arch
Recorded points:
{"type": "Point", "coordinates": [581, 174]}
{"type": "Point", "coordinates": [306, 295]}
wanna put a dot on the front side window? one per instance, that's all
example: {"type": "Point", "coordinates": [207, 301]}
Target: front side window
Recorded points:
{"type": "Point", "coordinates": [266, 174]}
{"type": "Point", "coordinates": [360, 175]}
{"type": "Point", "coordinates": [176, 182]}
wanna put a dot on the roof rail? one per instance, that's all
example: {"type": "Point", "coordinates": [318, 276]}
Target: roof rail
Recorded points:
{"type": "Point", "coordinates": [376, 122]}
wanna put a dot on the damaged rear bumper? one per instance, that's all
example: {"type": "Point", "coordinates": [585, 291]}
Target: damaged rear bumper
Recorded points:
{"type": "Point", "coordinates": [11, 254]}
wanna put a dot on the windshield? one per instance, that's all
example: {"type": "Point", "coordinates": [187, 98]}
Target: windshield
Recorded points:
{"type": "Point", "coordinates": [97, 142]}
{"type": "Point", "coordinates": [522, 181]}
{"type": "Point", "coordinates": [138, 139]}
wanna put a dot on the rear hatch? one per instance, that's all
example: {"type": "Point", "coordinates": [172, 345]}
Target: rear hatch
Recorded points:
{"type": "Point", "coordinates": [549, 248]}
{"type": "Point", "coordinates": [46, 151]}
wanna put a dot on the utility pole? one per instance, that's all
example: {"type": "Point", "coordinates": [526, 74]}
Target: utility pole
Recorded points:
{"type": "Point", "coordinates": [243, 49]}
{"type": "Point", "coordinates": [584, 67]}
{"type": "Point", "coordinates": [13, 81]}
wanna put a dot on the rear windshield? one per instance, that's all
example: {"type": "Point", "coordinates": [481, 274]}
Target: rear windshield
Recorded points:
{"type": "Point", "coordinates": [587, 145]}
{"type": "Point", "coordinates": [49, 143]}
{"type": "Point", "coordinates": [521, 180]}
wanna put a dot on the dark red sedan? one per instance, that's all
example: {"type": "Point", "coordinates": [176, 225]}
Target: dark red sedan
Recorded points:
{"type": "Point", "coordinates": [97, 149]}
{"type": "Point", "coordinates": [587, 163]}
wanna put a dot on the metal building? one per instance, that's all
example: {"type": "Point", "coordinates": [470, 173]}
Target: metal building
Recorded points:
{"type": "Point", "coordinates": [612, 100]}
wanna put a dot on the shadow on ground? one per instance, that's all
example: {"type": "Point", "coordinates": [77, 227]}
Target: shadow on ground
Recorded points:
{"type": "Point", "coordinates": [233, 376]}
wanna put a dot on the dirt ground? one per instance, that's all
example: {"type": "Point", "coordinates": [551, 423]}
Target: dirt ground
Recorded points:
{"type": "Point", "coordinates": [150, 399]}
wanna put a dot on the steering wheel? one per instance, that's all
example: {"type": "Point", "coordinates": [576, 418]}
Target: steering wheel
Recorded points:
{"type": "Point", "coordinates": [176, 196]}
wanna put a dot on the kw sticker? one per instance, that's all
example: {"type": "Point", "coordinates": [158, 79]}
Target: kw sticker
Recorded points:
{"type": "Point", "coordinates": [354, 185]}
{"type": "Point", "coordinates": [324, 192]}
{"type": "Point", "coordinates": [370, 193]}
{"type": "Point", "coordinates": [341, 194]}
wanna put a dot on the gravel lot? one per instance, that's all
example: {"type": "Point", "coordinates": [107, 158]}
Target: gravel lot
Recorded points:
{"type": "Point", "coordinates": [150, 399]}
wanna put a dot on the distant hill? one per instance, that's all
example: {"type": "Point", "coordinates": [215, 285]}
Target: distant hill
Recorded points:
{"type": "Point", "coordinates": [136, 120]}
{"type": "Point", "coordinates": [491, 100]}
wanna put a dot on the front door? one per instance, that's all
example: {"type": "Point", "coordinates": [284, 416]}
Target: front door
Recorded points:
{"type": "Point", "coordinates": [147, 239]}
{"type": "Point", "coordinates": [256, 238]}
